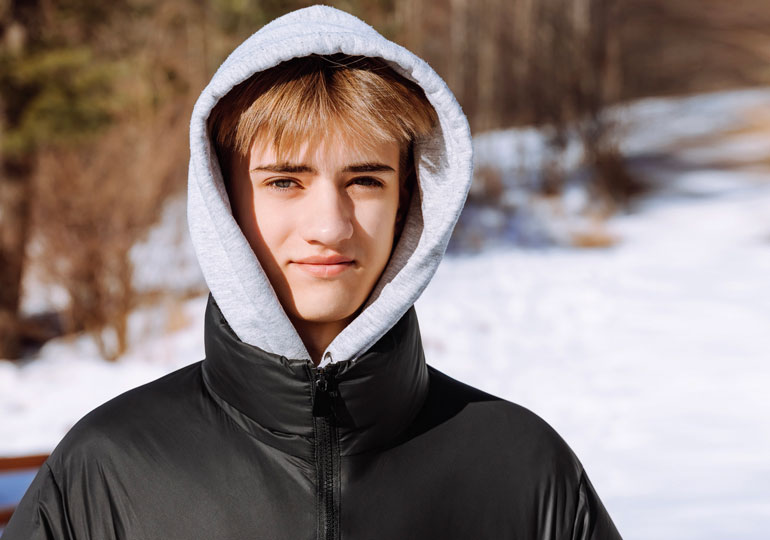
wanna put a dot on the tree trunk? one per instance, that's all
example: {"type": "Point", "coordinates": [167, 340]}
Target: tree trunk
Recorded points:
{"type": "Point", "coordinates": [14, 230]}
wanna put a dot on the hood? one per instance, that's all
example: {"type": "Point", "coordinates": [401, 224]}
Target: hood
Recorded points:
{"type": "Point", "coordinates": [443, 163]}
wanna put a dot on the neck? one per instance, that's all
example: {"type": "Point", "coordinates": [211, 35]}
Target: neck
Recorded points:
{"type": "Point", "coordinates": [318, 335]}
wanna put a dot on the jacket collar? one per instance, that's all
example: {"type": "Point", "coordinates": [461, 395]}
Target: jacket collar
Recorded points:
{"type": "Point", "coordinates": [271, 396]}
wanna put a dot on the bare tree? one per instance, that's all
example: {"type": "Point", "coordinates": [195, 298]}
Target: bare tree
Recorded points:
{"type": "Point", "coordinates": [16, 165]}
{"type": "Point", "coordinates": [93, 205]}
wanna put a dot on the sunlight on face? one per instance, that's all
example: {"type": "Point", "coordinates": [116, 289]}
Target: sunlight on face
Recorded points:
{"type": "Point", "coordinates": [321, 223]}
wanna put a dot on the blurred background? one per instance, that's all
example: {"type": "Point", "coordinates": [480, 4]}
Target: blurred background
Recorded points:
{"type": "Point", "coordinates": [610, 271]}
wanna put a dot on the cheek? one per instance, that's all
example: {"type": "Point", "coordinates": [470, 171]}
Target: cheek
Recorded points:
{"type": "Point", "coordinates": [271, 227]}
{"type": "Point", "coordinates": [377, 220]}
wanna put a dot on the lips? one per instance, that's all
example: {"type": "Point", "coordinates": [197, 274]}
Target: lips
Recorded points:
{"type": "Point", "coordinates": [324, 267]}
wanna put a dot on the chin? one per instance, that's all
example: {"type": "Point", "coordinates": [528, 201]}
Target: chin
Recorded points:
{"type": "Point", "coordinates": [321, 308]}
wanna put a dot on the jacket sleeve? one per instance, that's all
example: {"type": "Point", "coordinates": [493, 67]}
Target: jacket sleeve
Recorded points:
{"type": "Point", "coordinates": [41, 514]}
{"type": "Point", "coordinates": [592, 522]}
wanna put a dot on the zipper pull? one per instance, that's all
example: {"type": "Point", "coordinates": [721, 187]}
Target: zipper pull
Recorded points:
{"type": "Point", "coordinates": [323, 403]}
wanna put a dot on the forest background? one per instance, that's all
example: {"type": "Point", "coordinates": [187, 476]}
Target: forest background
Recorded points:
{"type": "Point", "coordinates": [96, 98]}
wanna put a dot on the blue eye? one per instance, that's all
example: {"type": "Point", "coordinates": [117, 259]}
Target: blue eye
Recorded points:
{"type": "Point", "coordinates": [368, 181]}
{"type": "Point", "coordinates": [281, 183]}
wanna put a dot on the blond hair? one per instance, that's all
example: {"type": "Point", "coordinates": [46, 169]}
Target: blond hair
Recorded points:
{"type": "Point", "coordinates": [358, 97]}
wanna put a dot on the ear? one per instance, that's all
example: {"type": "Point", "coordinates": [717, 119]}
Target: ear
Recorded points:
{"type": "Point", "coordinates": [235, 173]}
{"type": "Point", "coordinates": [405, 189]}
{"type": "Point", "coordinates": [400, 220]}
{"type": "Point", "coordinates": [407, 179]}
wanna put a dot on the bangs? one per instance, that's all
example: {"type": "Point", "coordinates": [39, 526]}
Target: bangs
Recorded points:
{"type": "Point", "coordinates": [314, 99]}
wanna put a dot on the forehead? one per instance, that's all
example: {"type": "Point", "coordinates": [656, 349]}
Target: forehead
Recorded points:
{"type": "Point", "coordinates": [332, 152]}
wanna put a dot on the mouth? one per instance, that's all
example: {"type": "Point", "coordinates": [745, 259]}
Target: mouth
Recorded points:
{"type": "Point", "coordinates": [324, 267]}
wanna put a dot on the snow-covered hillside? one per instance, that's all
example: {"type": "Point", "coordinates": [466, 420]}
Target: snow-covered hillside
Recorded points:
{"type": "Point", "coordinates": [649, 357]}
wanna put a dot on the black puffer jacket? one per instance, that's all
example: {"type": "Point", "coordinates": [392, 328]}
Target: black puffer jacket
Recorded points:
{"type": "Point", "coordinates": [250, 445]}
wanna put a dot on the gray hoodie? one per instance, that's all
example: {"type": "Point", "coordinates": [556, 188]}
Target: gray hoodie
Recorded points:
{"type": "Point", "coordinates": [443, 163]}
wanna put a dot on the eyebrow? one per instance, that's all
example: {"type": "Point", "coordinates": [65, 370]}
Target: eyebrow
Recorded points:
{"type": "Point", "coordinates": [368, 167]}
{"type": "Point", "coordinates": [287, 167]}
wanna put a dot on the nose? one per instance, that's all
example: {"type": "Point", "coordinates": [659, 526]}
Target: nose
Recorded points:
{"type": "Point", "coordinates": [328, 215]}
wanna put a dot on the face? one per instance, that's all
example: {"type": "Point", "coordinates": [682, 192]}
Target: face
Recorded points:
{"type": "Point", "coordinates": [321, 224]}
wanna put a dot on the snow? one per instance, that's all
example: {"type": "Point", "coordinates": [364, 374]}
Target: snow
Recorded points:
{"type": "Point", "coordinates": [152, 257]}
{"type": "Point", "coordinates": [42, 398]}
{"type": "Point", "coordinates": [650, 356]}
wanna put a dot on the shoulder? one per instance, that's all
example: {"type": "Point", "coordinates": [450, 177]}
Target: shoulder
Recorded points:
{"type": "Point", "coordinates": [502, 448]}
{"type": "Point", "coordinates": [147, 413]}
{"type": "Point", "coordinates": [108, 461]}
{"type": "Point", "coordinates": [501, 430]}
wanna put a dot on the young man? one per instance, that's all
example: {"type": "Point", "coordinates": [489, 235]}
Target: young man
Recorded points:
{"type": "Point", "coordinates": [328, 168]}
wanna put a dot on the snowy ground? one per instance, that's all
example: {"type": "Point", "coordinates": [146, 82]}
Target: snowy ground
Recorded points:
{"type": "Point", "coordinates": [649, 357]}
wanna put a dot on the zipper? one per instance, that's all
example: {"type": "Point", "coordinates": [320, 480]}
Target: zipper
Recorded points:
{"type": "Point", "coordinates": [326, 451]}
